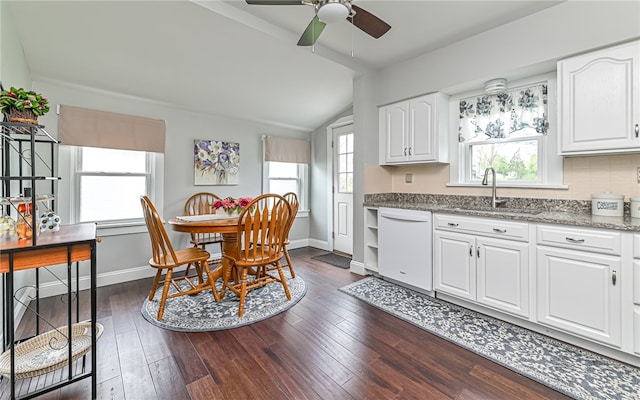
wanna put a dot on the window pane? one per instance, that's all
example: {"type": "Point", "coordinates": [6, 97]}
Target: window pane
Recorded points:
{"type": "Point", "coordinates": [345, 182]}
{"type": "Point", "coordinates": [282, 186]}
{"type": "Point", "coordinates": [283, 170]}
{"type": "Point", "coordinates": [342, 144]}
{"type": "Point", "coordinates": [342, 183]}
{"type": "Point", "coordinates": [513, 161]}
{"type": "Point", "coordinates": [111, 198]}
{"type": "Point", "coordinates": [111, 160]}
{"type": "Point", "coordinates": [342, 163]}
{"type": "Point", "coordinates": [350, 143]}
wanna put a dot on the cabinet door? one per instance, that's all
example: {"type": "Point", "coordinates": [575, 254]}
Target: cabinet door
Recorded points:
{"type": "Point", "coordinates": [577, 292]}
{"type": "Point", "coordinates": [455, 265]}
{"type": "Point", "coordinates": [503, 275]}
{"type": "Point", "coordinates": [422, 129]}
{"type": "Point", "coordinates": [600, 100]}
{"type": "Point", "coordinates": [396, 132]}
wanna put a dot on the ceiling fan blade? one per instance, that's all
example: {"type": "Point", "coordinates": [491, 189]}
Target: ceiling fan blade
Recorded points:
{"type": "Point", "coordinates": [368, 22]}
{"type": "Point", "coordinates": [275, 2]}
{"type": "Point", "coordinates": [313, 31]}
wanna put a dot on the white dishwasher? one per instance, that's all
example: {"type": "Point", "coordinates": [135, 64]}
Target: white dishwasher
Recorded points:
{"type": "Point", "coordinates": [405, 246]}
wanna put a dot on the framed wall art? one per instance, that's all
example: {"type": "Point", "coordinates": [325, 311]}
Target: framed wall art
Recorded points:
{"type": "Point", "coordinates": [216, 162]}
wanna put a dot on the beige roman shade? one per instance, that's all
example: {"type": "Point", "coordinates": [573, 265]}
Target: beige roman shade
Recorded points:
{"type": "Point", "coordinates": [287, 150]}
{"type": "Point", "coordinates": [92, 128]}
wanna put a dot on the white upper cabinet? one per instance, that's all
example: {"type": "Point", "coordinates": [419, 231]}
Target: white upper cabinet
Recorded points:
{"type": "Point", "coordinates": [414, 131]}
{"type": "Point", "coordinates": [599, 101]}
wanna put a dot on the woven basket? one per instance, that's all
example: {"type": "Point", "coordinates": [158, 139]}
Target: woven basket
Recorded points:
{"type": "Point", "coordinates": [22, 116]}
{"type": "Point", "coordinates": [49, 351]}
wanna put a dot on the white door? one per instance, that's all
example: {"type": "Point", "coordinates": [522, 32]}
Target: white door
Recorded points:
{"type": "Point", "coordinates": [343, 189]}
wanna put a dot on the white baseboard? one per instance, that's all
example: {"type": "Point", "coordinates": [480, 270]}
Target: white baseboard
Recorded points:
{"type": "Point", "coordinates": [108, 278]}
{"type": "Point", "coordinates": [320, 244]}
{"type": "Point", "coordinates": [296, 244]}
{"type": "Point", "coordinates": [357, 267]}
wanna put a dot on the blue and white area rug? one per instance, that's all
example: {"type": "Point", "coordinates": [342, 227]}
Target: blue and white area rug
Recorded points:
{"type": "Point", "coordinates": [568, 369]}
{"type": "Point", "coordinates": [201, 312]}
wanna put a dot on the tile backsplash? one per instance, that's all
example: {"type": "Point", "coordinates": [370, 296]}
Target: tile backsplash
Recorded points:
{"type": "Point", "coordinates": [584, 176]}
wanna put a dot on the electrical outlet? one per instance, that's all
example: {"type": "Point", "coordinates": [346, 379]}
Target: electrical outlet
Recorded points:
{"type": "Point", "coordinates": [408, 178]}
{"type": "Point", "coordinates": [638, 174]}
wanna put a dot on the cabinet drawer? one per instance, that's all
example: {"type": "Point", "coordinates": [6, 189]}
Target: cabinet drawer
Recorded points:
{"type": "Point", "coordinates": [483, 226]}
{"type": "Point", "coordinates": [585, 239]}
{"type": "Point", "coordinates": [636, 245]}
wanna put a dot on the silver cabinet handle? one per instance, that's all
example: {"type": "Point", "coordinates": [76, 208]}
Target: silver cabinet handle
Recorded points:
{"type": "Point", "coordinates": [499, 230]}
{"type": "Point", "coordinates": [478, 251]}
{"type": "Point", "coordinates": [409, 150]}
{"type": "Point", "coordinates": [572, 240]}
{"type": "Point", "coordinates": [452, 224]}
{"type": "Point", "coordinates": [614, 277]}
{"type": "Point", "coordinates": [405, 151]}
{"type": "Point", "coordinates": [470, 250]}
{"type": "Point", "coordinates": [637, 130]}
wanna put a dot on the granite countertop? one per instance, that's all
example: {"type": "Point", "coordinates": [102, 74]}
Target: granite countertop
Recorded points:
{"type": "Point", "coordinates": [565, 212]}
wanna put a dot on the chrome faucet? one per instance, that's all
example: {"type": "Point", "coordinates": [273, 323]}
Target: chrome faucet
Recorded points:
{"type": "Point", "coordinates": [494, 202]}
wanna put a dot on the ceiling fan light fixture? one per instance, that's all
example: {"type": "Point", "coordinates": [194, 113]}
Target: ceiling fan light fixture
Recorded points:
{"type": "Point", "coordinates": [495, 86]}
{"type": "Point", "coordinates": [333, 10]}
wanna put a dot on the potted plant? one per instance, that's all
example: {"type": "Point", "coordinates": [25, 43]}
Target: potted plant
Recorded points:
{"type": "Point", "coordinates": [23, 106]}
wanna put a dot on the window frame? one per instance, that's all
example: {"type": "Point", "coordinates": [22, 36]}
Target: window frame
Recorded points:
{"type": "Point", "coordinates": [154, 183]}
{"type": "Point", "coordinates": [302, 180]}
{"type": "Point", "coordinates": [550, 164]}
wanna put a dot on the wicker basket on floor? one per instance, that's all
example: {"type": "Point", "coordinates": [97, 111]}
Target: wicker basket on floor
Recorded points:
{"type": "Point", "coordinates": [49, 351]}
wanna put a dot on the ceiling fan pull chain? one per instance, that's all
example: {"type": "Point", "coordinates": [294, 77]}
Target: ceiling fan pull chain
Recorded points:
{"type": "Point", "coordinates": [353, 13]}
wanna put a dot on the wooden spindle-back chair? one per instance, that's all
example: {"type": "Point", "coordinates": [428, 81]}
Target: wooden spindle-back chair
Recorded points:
{"type": "Point", "coordinates": [164, 258]}
{"type": "Point", "coordinates": [199, 204]}
{"type": "Point", "coordinates": [261, 234]}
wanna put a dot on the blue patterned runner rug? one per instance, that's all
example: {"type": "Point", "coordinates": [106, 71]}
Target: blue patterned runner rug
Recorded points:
{"type": "Point", "coordinates": [568, 369]}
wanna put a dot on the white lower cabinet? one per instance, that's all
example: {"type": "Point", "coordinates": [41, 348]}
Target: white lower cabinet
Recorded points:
{"type": "Point", "coordinates": [503, 275]}
{"type": "Point", "coordinates": [579, 291]}
{"type": "Point", "coordinates": [490, 271]}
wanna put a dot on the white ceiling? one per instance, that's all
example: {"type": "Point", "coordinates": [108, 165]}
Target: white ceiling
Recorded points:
{"type": "Point", "coordinates": [237, 60]}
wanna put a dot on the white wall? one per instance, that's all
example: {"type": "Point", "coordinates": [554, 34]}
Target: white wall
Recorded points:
{"type": "Point", "coordinates": [528, 46]}
{"type": "Point", "coordinates": [123, 257]}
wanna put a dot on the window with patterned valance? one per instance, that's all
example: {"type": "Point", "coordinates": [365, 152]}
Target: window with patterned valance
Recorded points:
{"type": "Point", "coordinates": [504, 131]}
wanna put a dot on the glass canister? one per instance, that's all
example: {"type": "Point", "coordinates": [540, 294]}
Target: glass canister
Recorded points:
{"type": "Point", "coordinates": [7, 226]}
{"type": "Point", "coordinates": [25, 225]}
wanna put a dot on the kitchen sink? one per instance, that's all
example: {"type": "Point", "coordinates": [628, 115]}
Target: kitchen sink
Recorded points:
{"type": "Point", "coordinates": [497, 210]}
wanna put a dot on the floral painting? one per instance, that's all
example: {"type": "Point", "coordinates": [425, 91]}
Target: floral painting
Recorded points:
{"type": "Point", "coordinates": [216, 162]}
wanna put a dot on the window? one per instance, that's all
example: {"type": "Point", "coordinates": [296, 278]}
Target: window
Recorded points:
{"type": "Point", "coordinates": [513, 132]}
{"type": "Point", "coordinates": [345, 163]}
{"type": "Point", "coordinates": [109, 183]}
{"type": "Point", "coordinates": [283, 177]}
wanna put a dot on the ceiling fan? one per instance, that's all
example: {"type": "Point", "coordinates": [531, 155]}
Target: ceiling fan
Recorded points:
{"type": "Point", "coordinates": [331, 11]}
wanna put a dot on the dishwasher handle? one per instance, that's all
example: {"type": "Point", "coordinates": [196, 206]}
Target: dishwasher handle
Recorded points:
{"type": "Point", "coordinates": [419, 216]}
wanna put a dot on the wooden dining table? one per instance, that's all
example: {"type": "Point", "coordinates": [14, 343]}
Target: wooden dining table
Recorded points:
{"type": "Point", "coordinates": [227, 227]}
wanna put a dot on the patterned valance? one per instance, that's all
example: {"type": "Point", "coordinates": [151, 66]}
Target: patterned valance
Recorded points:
{"type": "Point", "coordinates": [516, 113]}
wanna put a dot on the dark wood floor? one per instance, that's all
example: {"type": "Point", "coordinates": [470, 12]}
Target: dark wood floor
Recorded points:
{"type": "Point", "coordinates": [328, 346]}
